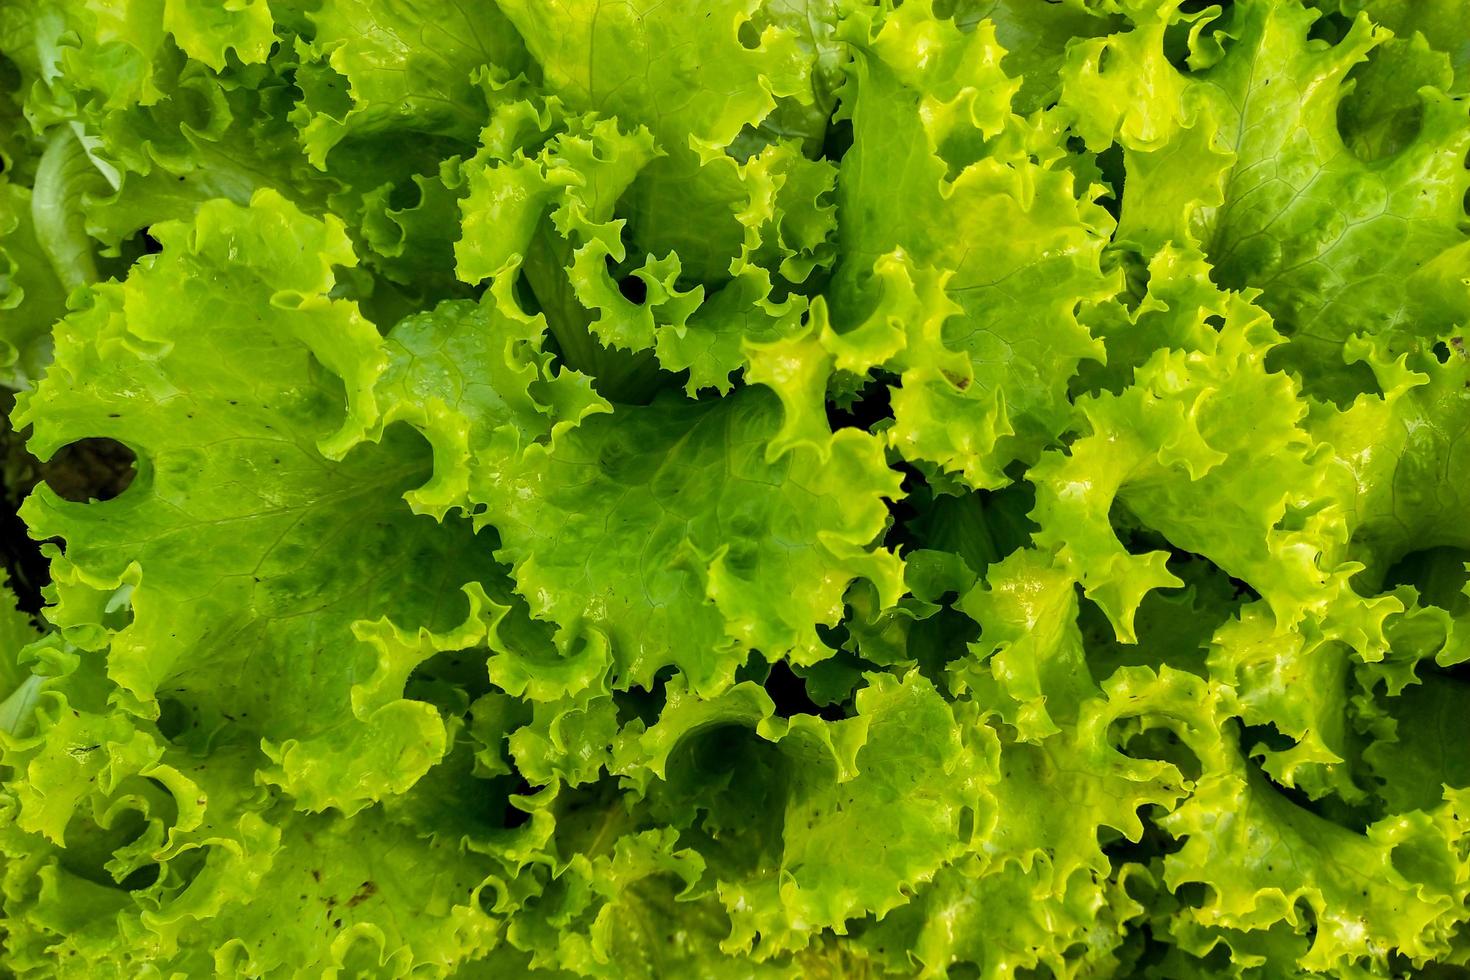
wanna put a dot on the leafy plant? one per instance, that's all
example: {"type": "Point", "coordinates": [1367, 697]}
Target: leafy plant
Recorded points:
{"type": "Point", "coordinates": [757, 488]}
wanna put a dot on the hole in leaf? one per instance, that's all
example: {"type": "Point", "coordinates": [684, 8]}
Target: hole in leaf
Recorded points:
{"type": "Point", "coordinates": [141, 878]}
{"type": "Point", "coordinates": [1193, 894]}
{"type": "Point", "coordinates": [643, 704]}
{"type": "Point", "coordinates": [1330, 28]}
{"type": "Point", "coordinates": [174, 718]}
{"type": "Point", "coordinates": [1269, 738]}
{"type": "Point", "coordinates": [789, 693]}
{"type": "Point", "coordinates": [1308, 917]}
{"type": "Point", "coordinates": [449, 680]}
{"type": "Point", "coordinates": [862, 407]}
{"type": "Point", "coordinates": [1112, 165]}
{"type": "Point", "coordinates": [1137, 738]}
{"type": "Point", "coordinates": [634, 289]}
{"type": "Point", "coordinates": [513, 816]}
{"type": "Point", "coordinates": [837, 140]}
{"type": "Point", "coordinates": [405, 195]}
{"type": "Point", "coordinates": [90, 469]}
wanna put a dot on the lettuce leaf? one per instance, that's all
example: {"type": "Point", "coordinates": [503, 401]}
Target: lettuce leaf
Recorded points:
{"type": "Point", "coordinates": [758, 489]}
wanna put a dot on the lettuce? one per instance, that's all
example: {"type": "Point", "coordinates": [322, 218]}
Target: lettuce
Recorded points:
{"type": "Point", "coordinates": [763, 488]}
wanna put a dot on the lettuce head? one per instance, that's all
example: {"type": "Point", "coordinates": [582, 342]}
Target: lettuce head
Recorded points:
{"type": "Point", "coordinates": [735, 489]}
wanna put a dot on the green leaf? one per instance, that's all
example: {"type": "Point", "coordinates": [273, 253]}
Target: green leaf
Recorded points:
{"type": "Point", "coordinates": [943, 175]}
{"type": "Point", "coordinates": [1266, 861]}
{"type": "Point", "coordinates": [542, 195]}
{"type": "Point", "coordinates": [756, 489]}
{"type": "Point", "coordinates": [1397, 460]}
{"type": "Point", "coordinates": [1035, 38]}
{"type": "Point", "coordinates": [464, 371]}
{"type": "Point", "coordinates": [211, 30]}
{"type": "Point", "coordinates": [307, 894]}
{"type": "Point", "coordinates": [63, 175]}
{"type": "Point", "coordinates": [1245, 159]}
{"type": "Point", "coordinates": [1440, 22]}
{"type": "Point", "coordinates": [1030, 647]}
{"type": "Point", "coordinates": [1424, 757]}
{"type": "Point", "coordinates": [307, 534]}
{"type": "Point", "coordinates": [638, 62]}
{"type": "Point", "coordinates": [631, 913]}
{"type": "Point", "coordinates": [1300, 685]}
{"type": "Point", "coordinates": [670, 530]}
{"type": "Point", "coordinates": [1173, 440]}
{"type": "Point", "coordinates": [32, 297]}
{"type": "Point", "coordinates": [866, 785]}
{"type": "Point", "coordinates": [405, 67]}
{"type": "Point", "coordinates": [1005, 922]}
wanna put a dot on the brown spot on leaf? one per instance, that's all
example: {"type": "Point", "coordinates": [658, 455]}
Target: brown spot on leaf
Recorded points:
{"type": "Point", "coordinates": [367, 891]}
